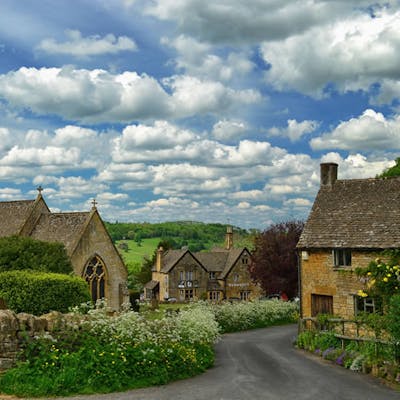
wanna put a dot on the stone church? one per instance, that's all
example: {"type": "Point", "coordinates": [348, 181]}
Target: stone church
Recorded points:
{"type": "Point", "coordinates": [84, 235]}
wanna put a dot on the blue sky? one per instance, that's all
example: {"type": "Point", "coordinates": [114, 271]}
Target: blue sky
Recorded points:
{"type": "Point", "coordinates": [216, 111]}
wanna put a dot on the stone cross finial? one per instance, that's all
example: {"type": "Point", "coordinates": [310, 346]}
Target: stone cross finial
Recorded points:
{"type": "Point", "coordinates": [94, 203]}
{"type": "Point", "coordinates": [39, 189]}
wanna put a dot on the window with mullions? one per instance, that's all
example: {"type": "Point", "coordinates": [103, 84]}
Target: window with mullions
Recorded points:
{"type": "Point", "coordinates": [95, 275]}
{"type": "Point", "coordinates": [341, 257]}
{"type": "Point", "coordinates": [367, 305]}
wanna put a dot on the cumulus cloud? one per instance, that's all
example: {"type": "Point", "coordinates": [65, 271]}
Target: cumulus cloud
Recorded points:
{"type": "Point", "coordinates": [96, 96]}
{"type": "Point", "coordinates": [198, 59]}
{"type": "Point", "coordinates": [351, 54]}
{"type": "Point", "coordinates": [369, 131]}
{"type": "Point", "coordinates": [235, 21]}
{"type": "Point", "coordinates": [79, 46]}
{"type": "Point", "coordinates": [229, 129]}
{"type": "Point", "coordinates": [294, 130]}
{"type": "Point", "coordinates": [192, 95]}
{"type": "Point", "coordinates": [357, 166]}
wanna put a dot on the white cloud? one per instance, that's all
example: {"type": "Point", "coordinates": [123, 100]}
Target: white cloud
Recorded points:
{"type": "Point", "coordinates": [357, 166]}
{"type": "Point", "coordinates": [10, 194]}
{"type": "Point", "coordinates": [351, 53]}
{"type": "Point", "coordinates": [197, 59]}
{"type": "Point", "coordinates": [95, 96]}
{"type": "Point", "coordinates": [79, 46]}
{"type": "Point", "coordinates": [162, 135]}
{"type": "Point", "coordinates": [369, 131]}
{"type": "Point", "coordinates": [192, 95]}
{"type": "Point", "coordinates": [295, 130]}
{"type": "Point", "coordinates": [229, 129]}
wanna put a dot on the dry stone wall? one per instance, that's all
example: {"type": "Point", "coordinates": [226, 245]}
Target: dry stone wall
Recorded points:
{"type": "Point", "coordinates": [17, 328]}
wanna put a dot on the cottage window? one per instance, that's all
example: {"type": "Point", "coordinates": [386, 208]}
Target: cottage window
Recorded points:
{"type": "Point", "coordinates": [245, 295]}
{"type": "Point", "coordinates": [214, 295]}
{"type": "Point", "coordinates": [245, 260]}
{"type": "Point", "coordinates": [94, 274]}
{"type": "Point", "coordinates": [236, 278]}
{"type": "Point", "coordinates": [189, 275]}
{"type": "Point", "coordinates": [366, 304]}
{"type": "Point", "coordinates": [341, 257]}
{"type": "Point", "coordinates": [212, 275]}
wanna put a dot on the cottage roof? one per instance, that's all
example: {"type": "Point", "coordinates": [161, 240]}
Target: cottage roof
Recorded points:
{"type": "Point", "coordinates": [359, 213]}
{"type": "Point", "coordinates": [65, 228]}
{"type": "Point", "coordinates": [170, 258]}
{"type": "Point", "coordinates": [13, 215]}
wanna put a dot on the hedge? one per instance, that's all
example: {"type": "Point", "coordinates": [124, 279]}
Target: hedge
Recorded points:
{"type": "Point", "coordinates": [20, 253]}
{"type": "Point", "coordinates": [40, 292]}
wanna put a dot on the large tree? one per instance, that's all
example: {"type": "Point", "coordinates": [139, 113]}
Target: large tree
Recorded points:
{"type": "Point", "coordinates": [392, 171]}
{"type": "Point", "coordinates": [274, 260]}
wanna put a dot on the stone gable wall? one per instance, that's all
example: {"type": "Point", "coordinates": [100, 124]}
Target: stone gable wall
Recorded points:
{"type": "Point", "coordinates": [318, 276]}
{"type": "Point", "coordinates": [96, 241]}
{"type": "Point", "coordinates": [15, 329]}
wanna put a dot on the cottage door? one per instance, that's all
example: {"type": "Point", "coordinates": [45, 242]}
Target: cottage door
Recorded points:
{"type": "Point", "coordinates": [321, 304]}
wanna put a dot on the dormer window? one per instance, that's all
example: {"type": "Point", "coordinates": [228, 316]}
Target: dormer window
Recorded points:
{"type": "Point", "coordinates": [342, 257]}
{"type": "Point", "coordinates": [213, 275]}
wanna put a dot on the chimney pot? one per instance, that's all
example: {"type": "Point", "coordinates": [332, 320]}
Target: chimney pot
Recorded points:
{"type": "Point", "coordinates": [328, 173]}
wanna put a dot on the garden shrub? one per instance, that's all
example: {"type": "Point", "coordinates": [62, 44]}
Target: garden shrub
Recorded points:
{"type": "Point", "coordinates": [258, 314]}
{"type": "Point", "coordinates": [39, 292]}
{"type": "Point", "coordinates": [17, 253]}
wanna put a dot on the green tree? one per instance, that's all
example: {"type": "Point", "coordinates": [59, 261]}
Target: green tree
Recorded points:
{"type": "Point", "coordinates": [392, 171]}
{"type": "Point", "coordinates": [19, 253]}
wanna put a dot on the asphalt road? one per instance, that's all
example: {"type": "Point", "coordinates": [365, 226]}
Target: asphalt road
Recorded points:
{"type": "Point", "coordinates": [262, 364]}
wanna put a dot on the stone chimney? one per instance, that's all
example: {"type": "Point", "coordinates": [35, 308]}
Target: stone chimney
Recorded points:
{"type": "Point", "coordinates": [160, 252]}
{"type": "Point", "coordinates": [229, 238]}
{"type": "Point", "coordinates": [328, 174]}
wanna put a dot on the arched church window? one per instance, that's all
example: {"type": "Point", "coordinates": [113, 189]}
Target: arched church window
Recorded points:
{"type": "Point", "coordinates": [95, 276]}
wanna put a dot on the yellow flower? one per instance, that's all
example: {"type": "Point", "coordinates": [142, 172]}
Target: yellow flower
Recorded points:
{"type": "Point", "coordinates": [369, 273]}
{"type": "Point", "coordinates": [361, 293]}
{"type": "Point", "coordinates": [385, 279]}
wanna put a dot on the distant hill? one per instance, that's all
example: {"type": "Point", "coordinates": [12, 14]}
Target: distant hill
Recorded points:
{"type": "Point", "coordinates": [132, 238]}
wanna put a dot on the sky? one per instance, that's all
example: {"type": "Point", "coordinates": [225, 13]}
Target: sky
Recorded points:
{"type": "Point", "coordinates": [222, 111]}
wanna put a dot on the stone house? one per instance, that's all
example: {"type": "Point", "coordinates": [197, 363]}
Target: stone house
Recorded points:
{"type": "Point", "coordinates": [84, 235]}
{"type": "Point", "coordinates": [350, 223]}
{"type": "Point", "coordinates": [216, 275]}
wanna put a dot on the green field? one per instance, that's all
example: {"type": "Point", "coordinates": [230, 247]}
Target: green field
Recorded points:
{"type": "Point", "coordinates": [135, 254]}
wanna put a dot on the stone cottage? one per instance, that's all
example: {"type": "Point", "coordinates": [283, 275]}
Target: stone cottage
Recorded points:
{"type": "Point", "coordinates": [84, 235]}
{"type": "Point", "coordinates": [350, 223]}
{"type": "Point", "coordinates": [216, 275]}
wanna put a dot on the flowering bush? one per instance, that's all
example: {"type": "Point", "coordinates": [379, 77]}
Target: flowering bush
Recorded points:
{"type": "Point", "coordinates": [249, 315]}
{"type": "Point", "coordinates": [130, 350]}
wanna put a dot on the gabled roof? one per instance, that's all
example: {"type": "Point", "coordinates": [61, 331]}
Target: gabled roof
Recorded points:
{"type": "Point", "coordinates": [359, 213]}
{"type": "Point", "coordinates": [61, 227]}
{"type": "Point", "coordinates": [170, 258]}
{"type": "Point", "coordinates": [13, 215]}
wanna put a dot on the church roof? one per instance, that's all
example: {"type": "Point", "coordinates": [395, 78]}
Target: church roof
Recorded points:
{"type": "Point", "coordinates": [13, 215]}
{"type": "Point", "coordinates": [61, 227]}
{"type": "Point", "coordinates": [357, 213]}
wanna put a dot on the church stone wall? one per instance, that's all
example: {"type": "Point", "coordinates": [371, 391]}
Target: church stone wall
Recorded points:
{"type": "Point", "coordinates": [96, 241]}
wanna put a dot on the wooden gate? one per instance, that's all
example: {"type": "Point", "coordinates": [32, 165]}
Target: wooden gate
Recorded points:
{"type": "Point", "coordinates": [321, 304]}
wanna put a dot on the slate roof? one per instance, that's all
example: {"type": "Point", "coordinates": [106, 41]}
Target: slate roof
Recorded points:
{"type": "Point", "coordinates": [359, 213]}
{"type": "Point", "coordinates": [61, 227]}
{"type": "Point", "coordinates": [13, 215]}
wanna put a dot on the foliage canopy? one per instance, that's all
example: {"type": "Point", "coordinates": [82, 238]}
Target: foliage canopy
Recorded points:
{"type": "Point", "coordinates": [392, 171]}
{"type": "Point", "coordinates": [274, 261]}
{"type": "Point", "coordinates": [18, 253]}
